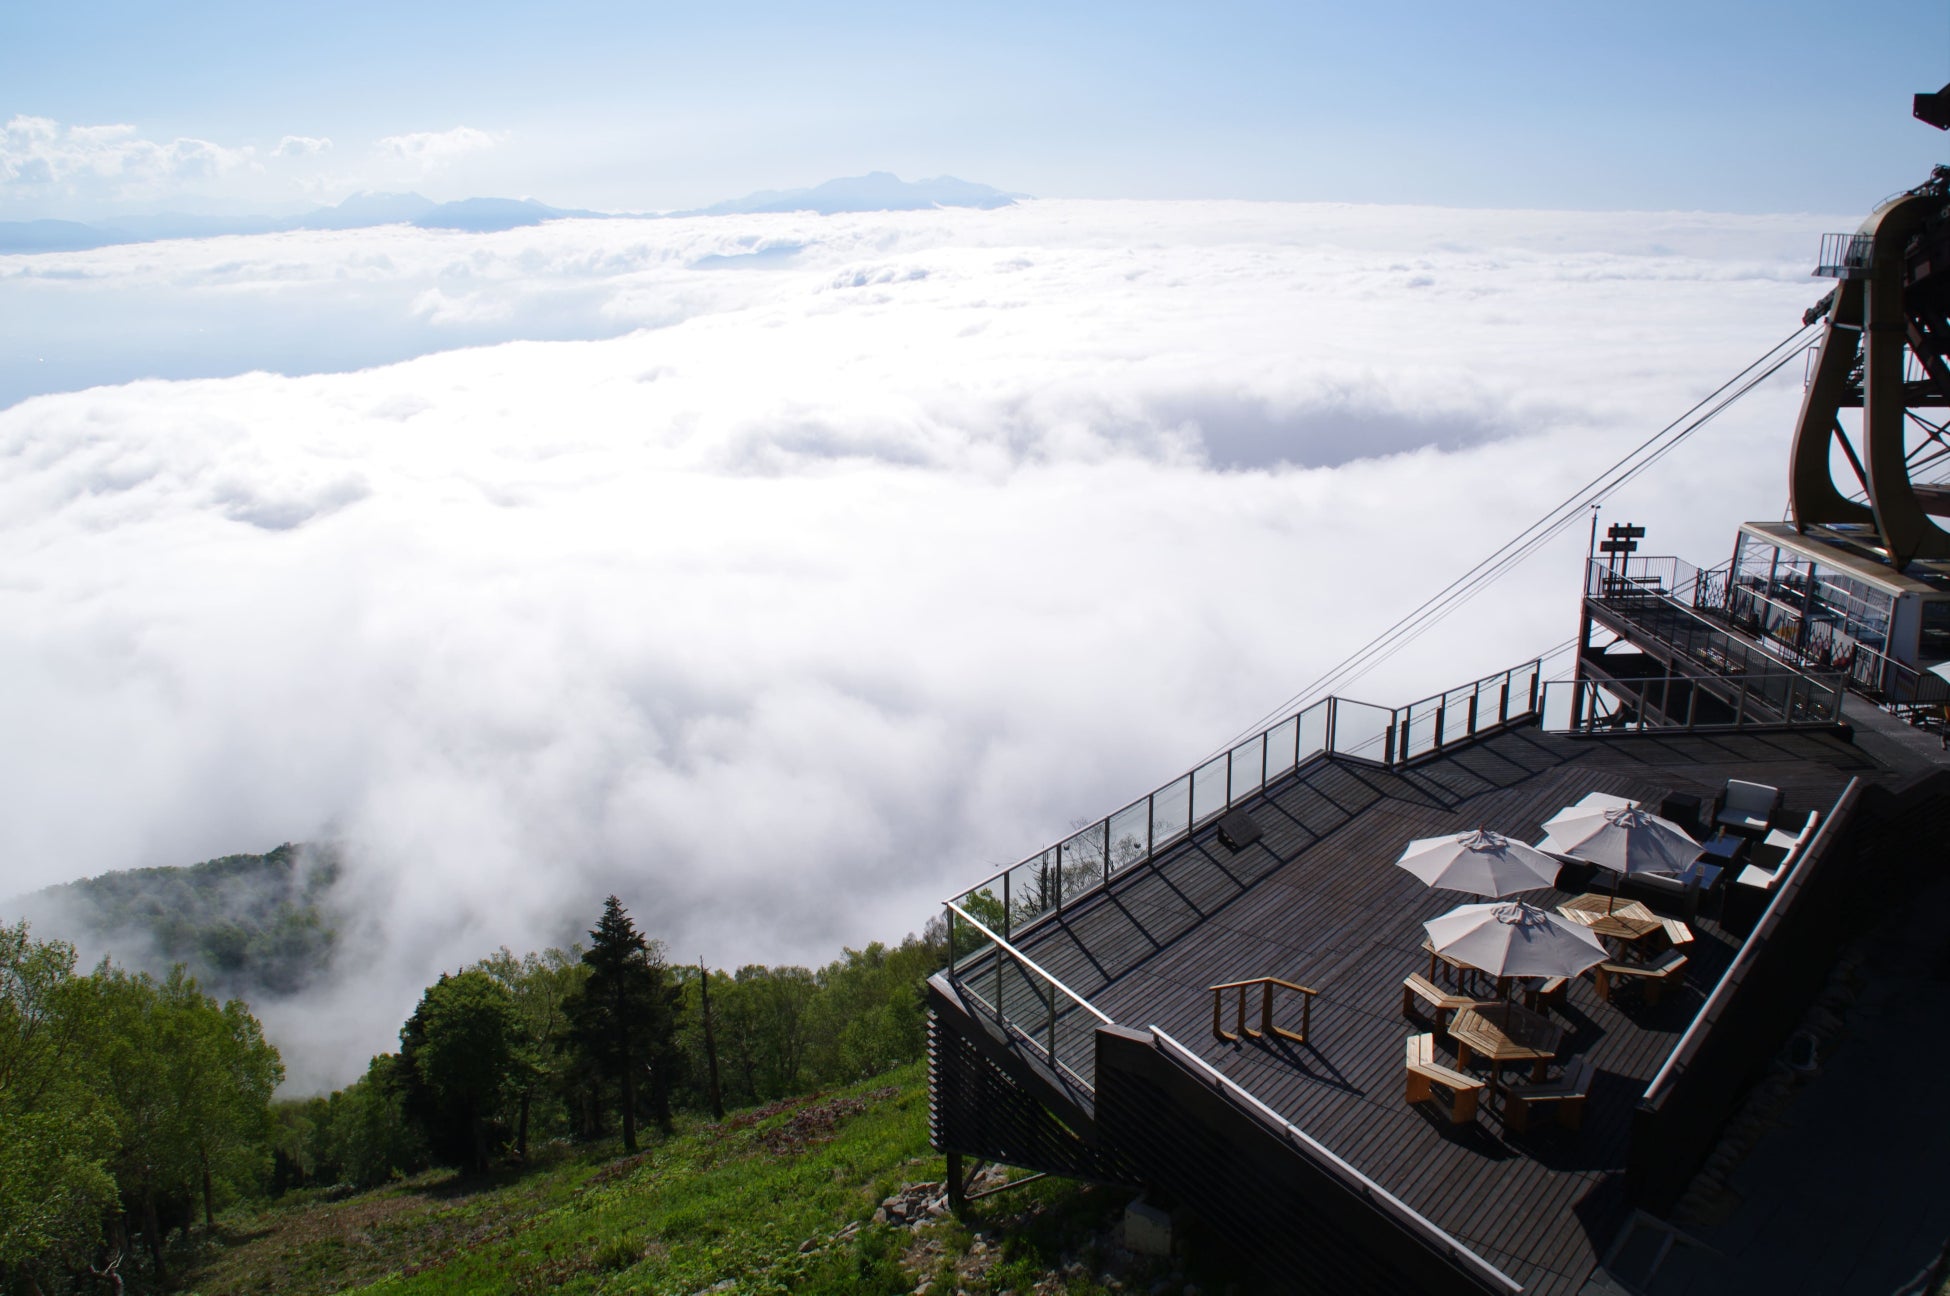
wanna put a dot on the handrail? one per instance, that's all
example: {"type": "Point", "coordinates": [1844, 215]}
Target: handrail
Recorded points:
{"type": "Point", "coordinates": [1329, 727]}
{"type": "Point", "coordinates": [1004, 950]}
{"type": "Point", "coordinates": [1266, 1026]}
{"type": "Point", "coordinates": [1819, 707]}
{"type": "Point", "coordinates": [1749, 950]}
{"type": "Point", "coordinates": [1026, 961]}
{"type": "Point", "coordinates": [1375, 1194]}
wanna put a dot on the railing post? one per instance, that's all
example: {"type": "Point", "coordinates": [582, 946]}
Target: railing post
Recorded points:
{"type": "Point", "coordinates": [1692, 703]}
{"type": "Point", "coordinates": [1299, 721]}
{"type": "Point", "coordinates": [1388, 744]}
{"type": "Point", "coordinates": [1000, 959]}
{"type": "Point", "coordinates": [1534, 677]}
{"type": "Point", "coordinates": [1106, 852]}
{"type": "Point", "coordinates": [1052, 1025]}
{"type": "Point", "coordinates": [1333, 706]}
{"type": "Point", "coordinates": [1265, 754]}
{"type": "Point", "coordinates": [1266, 1009]}
{"type": "Point", "coordinates": [1472, 711]}
{"type": "Point", "coordinates": [1150, 824]}
{"type": "Point", "coordinates": [1441, 712]}
{"type": "Point", "coordinates": [954, 972]}
{"type": "Point", "coordinates": [1228, 778]}
{"type": "Point", "coordinates": [1503, 701]}
{"type": "Point", "coordinates": [1740, 711]}
{"type": "Point", "coordinates": [1059, 879]}
{"type": "Point", "coordinates": [1006, 906]}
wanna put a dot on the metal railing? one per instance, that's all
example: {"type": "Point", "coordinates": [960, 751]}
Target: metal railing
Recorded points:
{"type": "Point", "coordinates": [1027, 1002]}
{"type": "Point", "coordinates": [1430, 1233]}
{"type": "Point", "coordinates": [1627, 704]}
{"type": "Point", "coordinates": [1057, 876]}
{"type": "Point", "coordinates": [1844, 256]}
{"type": "Point", "coordinates": [1662, 601]}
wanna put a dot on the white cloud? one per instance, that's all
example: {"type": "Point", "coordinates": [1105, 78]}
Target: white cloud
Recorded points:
{"type": "Point", "coordinates": [38, 151]}
{"type": "Point", "coordinates": [851, 575]}
{"type": "Point", "coordinates": [428, 151]}
{"type": "Point", "coordinates": [302, 146]}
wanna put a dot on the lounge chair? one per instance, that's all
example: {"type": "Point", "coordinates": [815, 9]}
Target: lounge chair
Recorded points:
{"type": "Point", "coordinates": [1748, 807]}
{"type": "Point", "coordinates": [1653, 977]}
{"type": "Point", "coordinates": [1563, 1097]}
{"type": "Point", "coordinates": [1424, 1073]}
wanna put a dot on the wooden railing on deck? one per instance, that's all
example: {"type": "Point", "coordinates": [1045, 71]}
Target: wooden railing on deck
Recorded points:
{"type": "Point", "coordinates": [1266, 1026]}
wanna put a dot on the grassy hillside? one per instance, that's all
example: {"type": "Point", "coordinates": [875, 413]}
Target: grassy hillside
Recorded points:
{"type": "Point", "coordinates": [246, 926]}
{"type": "Point", "coordinates": [776, 1199]}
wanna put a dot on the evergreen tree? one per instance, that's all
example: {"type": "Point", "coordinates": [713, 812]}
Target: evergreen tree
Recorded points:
{"type": "Point", "coordinates": [623, 1019]}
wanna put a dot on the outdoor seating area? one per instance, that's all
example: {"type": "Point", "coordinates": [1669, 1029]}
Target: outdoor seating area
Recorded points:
{"type": "Point", "coordinates": [1446, 1060]}
{"type": "Point", "coordinates": [1481, 955]}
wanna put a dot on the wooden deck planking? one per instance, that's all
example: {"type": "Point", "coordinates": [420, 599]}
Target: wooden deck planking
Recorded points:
{"type": "Point", "coordinates": [1319, 901]}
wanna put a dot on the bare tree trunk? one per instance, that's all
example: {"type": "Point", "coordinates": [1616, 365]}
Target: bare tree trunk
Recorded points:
{"type": "Point", "coordinates": [710, 1043]}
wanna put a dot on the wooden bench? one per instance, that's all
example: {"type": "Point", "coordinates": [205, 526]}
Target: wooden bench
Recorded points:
{"type": "Point", "coordinates": [1565, 1095]}
{"type": "Point", "coordinates": [1677, 932]}
{"type": "Point", "coordinates": [1654, 977]}
{"type": "Point", "coordinates": [1416, 986]}
{"type": "Point", "coordinates": [1550, 994]}
{"type": "Point", "coordinates": [1424, 1073]}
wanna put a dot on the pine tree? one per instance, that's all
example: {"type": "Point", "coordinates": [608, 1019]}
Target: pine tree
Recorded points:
{"type": "Point", "coordinates": [623, 1019]}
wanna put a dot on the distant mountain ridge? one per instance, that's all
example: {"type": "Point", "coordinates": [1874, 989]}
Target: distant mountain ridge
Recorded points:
{"type": "Point", "coordinates": [875, 191]}
{"type": "Point", "coordinates": [246, 926]}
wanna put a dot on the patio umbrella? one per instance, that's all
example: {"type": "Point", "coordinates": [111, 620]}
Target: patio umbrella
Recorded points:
{"type": "Point", "coordinates": [1508, 938]}
{"type": "Point", "coordinates": [1625, 840]}
{"type": "Point", "coordinates": [1479, 862]}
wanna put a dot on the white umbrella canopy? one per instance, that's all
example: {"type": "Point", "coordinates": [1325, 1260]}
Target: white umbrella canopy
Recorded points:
{"type": "Point", "coordinates": [1479, 862]}
{"type": "Point", "coordinates": [1508, 938]}
{"type": "Point", "coordinates": [1626, 840]}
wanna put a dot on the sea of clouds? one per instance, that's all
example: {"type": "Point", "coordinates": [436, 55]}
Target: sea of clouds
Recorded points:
{"type": "Point", "coordinates": [782, 574]}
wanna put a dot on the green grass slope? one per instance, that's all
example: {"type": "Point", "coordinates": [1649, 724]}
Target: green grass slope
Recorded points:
{"type": "Point", "coordinates": [776, 1199]}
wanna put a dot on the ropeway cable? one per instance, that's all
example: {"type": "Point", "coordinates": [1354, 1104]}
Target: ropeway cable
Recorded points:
{"type": "Point", "coordinates": [1437, 609]}
{"type": "Point", "coordinates": [1542, 531]}
{"type": "Point", "coordinates": [1539, 533]}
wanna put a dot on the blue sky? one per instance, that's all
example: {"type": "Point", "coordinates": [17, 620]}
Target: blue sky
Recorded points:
{"type": "Point", "coordinates": [1722, 106]}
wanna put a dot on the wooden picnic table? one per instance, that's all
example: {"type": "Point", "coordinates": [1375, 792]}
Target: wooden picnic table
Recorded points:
{"type": "Point", "coordinates": [1622, 920]}
{"type": "Point", "coordinates": [1505, 1032]}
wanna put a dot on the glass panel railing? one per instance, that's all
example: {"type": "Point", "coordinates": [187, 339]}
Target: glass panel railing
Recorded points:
{"type": "Point", "coordinates": [1082, 860]}
{"type": "Point", "coordinates": [1171, 812]}
{"type": "Point", "coordinates": [1209, 789]}
{"type": "Point", "coordinates": [1248, 772]}
{"type": "Point", "coordinates": [1282, 747]}
{"type": "Point", "coordinates": [1459, 714]}
{"type": "Point", "coordinates": [1684, 702]}
{"type": "Point", "coordinates": [1524, 681]}
{"type": "Point", "coordinates": [1313, 730]}
{"type": "Point", "coordinates": [1130, 835]}
{"type": "Point", "coordinates": [1417, 734]}
{"type": "Point", "coordinates": [1030, 888]}
{"type": "Point", "coordinates": [1361, 730]}
{"type": "Point", "coordinates": [1025, 893]}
